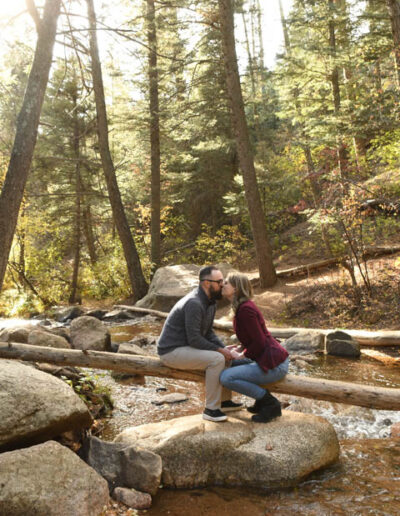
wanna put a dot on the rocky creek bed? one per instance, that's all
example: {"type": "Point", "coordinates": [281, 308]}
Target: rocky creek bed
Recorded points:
{"type": "Point", "coordinates": [365, 480]}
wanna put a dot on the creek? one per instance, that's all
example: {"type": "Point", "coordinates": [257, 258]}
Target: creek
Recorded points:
{"type": "Point", "coordinates": [366, 479]}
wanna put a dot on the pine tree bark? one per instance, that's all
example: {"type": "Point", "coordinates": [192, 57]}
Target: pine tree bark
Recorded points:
{"type": "Point", "coordinates": [26, 133]}
{"type": "Point", "coordinates": [341, 150]}
{"type": "Point", "coordinates": [394, 13]}
{"type": "Point", "coordinates": [78, 201]}
{"type": "Point", "coordinates": [257, 218]}
{"type": "Point", "coordinates": [137, 280]}
{"type": "Point", "coordinates": [154, 138]}
{"type": "Point", "coordinates": [88, 230]}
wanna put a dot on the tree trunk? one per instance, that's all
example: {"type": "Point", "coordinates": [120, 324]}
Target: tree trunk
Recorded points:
{"type": "Point", "coordinates": [394, 13]}
{"type": "Point", "coordinates": [257, 219]}
{"type": "Point", "coordinates": [26, 133]}
{"type": "Point", "coordinates": [341, 150]}
{"type": "Point", "coordinates": [78, 193]}
{"type": "Point", "coordinates": [154, 137]}
{"type": "Point", "coordinates": [314, 388]}
{"type": "Point", "coordinates": [260, 35]}
{"type": "Point", "coordinates": [88, 230]}
{"type": "Point", "coordinates": [138, 283]}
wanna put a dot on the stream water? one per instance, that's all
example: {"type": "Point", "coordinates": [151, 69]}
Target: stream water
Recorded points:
{"type": "Point", "coordinates": [366, 480]}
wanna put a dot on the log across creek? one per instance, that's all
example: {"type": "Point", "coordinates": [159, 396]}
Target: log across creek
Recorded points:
{"type": "Point", "coordinates": [365, 338]}
{"type": "Point", "coordinates": [315, 388]}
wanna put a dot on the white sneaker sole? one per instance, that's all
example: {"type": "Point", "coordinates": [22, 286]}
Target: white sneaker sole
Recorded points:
{"type": "Point", "coordinates": [215, 419]}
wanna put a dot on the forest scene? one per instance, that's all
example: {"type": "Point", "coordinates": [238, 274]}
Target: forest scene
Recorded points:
{"type": "Point", "coordinates": [320, 173]}
{"type": "Point", "coordinates": [143, 140]}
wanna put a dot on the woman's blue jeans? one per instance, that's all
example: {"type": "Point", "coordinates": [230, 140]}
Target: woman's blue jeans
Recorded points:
{"type": "Point", "coordinates": [247, 378]}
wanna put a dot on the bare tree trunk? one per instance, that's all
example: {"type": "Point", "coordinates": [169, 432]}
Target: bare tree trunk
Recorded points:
{"type": "Point", "coordinates": [138, 282]}
{"type": "Point", "coordinates": [341, 150]}
{"type": "Point", "coordinates": [394, 13]}
{"type": "Point", "coordinates": [26, 133]}
{"type": "Point", "coordinates": [257, 218]}
{"type": "Point", "coordinates": [154, 137]}
{"type": "Point", "coordinates": [252, 79]}
{"type": "Point", "coordinates": [78, 193]}
{"type": "Point", "coordinates": [88, 230]}
{"type": "Point", "coordinates": [259, 33]}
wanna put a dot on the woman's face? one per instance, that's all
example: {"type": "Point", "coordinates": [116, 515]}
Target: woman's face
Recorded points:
{"type": "Point", "coordinates": [228, 291]}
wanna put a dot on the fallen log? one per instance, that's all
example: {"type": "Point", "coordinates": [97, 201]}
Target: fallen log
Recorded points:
{"type": "Point", "coordinates": [301, 270]}
{"type": "Point", "coordinates": [315, 388]}
{"type": "Point", "coordinates": [365, 338]}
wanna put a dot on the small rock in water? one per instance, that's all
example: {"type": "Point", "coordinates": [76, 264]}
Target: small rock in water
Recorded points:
{"type": "Point", "coordinates": [174, 397]}
{"type": "Point", "coordinates": [387, 422]}
{"type": "Point", "coordinates": [132, 498]}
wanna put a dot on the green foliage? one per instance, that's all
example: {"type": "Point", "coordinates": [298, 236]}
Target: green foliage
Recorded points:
{"type": "Point", "coordinates": [227, 244]}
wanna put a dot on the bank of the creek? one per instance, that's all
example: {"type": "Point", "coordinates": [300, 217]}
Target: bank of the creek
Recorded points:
{"type": "Point", "coordinates": [366, 480]}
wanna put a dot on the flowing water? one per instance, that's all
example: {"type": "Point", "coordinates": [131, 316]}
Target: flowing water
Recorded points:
{"type": "Point", "coordinates": [366, 479]}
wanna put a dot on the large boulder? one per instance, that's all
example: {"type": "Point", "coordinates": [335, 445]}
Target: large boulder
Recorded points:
{"type": "Point", "coordinates": [123, 465]}
{"type": "Point", "coordinates": [35, 406]}
{"type": "Point", "coordinates": [171, 283]}
{"type": "Point", "coordinates": [238, 452]}
{"type": "Point", "coordinates": [90, 333]}
{"type": "Point", "coordinates": [305, 342]}
{"type": "Point", "coordinates": [49, 480]}
{"type": "Point", "coordinates": [342, 344]}
{"type": "Point", "coordinates": [44, 338]}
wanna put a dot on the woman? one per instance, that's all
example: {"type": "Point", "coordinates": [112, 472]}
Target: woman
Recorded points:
{"type": "Point", "coordinates": [269, 360]}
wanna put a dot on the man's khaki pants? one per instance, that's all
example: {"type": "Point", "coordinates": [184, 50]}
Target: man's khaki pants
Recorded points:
{"type": "Point", "coordinates": [212, 362]}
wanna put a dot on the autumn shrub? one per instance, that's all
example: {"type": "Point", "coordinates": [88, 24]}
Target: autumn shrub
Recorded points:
{"type": "Point", "coordinates": [226, 244]}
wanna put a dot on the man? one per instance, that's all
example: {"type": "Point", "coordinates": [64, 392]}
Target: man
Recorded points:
{"type": "Point", "coordinates": [187, 341]}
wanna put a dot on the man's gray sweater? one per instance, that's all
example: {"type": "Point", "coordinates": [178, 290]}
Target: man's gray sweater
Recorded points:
{"type": "Point", "coordinates": [189, 323]}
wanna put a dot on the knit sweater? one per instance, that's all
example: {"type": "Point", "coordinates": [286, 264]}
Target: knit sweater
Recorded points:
{"type": "Point", "coordinates": [257, 341]}
{"type": "Point", "coordinates": [189, 323]}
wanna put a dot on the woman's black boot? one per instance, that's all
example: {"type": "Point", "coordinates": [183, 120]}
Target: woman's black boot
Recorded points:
{"type": "Point", "coordinates": [269, 409]}
{"type": "Point", "coordinates": [267, 399]}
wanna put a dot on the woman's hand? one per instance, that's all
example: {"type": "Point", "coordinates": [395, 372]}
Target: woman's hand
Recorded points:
{"type": "Point", "coordinates": [235, 354]}
{"type": "Point", "coordinates": [235, 347]}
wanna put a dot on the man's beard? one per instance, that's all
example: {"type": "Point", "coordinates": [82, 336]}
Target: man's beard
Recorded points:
{"type": "Point", "coordinates": [215, 295]}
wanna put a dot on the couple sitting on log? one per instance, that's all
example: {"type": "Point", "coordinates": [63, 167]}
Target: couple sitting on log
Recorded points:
{"type": "Point", "coordinates": [188, 341]}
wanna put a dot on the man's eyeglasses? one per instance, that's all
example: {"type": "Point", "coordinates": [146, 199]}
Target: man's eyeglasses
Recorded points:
{"type": "Point", "coordinates": [219, 281]}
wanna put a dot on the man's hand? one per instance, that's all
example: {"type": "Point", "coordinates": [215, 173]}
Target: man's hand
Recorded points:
{"type": "Point", "coordinates": [226, 352]}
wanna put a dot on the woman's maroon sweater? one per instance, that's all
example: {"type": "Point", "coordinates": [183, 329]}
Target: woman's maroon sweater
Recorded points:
{"type": "Point", "coordinates": [258, 343]}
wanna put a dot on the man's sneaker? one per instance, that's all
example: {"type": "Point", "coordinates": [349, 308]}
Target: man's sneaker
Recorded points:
{"type": "Point", "coordinates": [214, 415]}
{"type": "Point", "coordinates": [229, 406]}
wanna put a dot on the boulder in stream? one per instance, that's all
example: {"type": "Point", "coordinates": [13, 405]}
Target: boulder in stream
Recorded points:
{"type": "Point", "coordinates": [64, 314]}
{"type": "Point", "coordinates": [18, 334]}
{"type": "Point", "coordinates": [35, 406]}
{"type": "Point", "coordinates": [305, 342]}
{"type": "Point", "coordinates": [123, 465]}
{"type": "Point", "coordinates": [132, 498]}
{"type": "Point", "coordinates": [342, 344]}
{"type": "Point", "coordinates": [238, 452]}
{"type": "Point", "coordinates": [171, 283]}
{"type": "Point", "coordinates": [49, 480]}
{"type": "Point", "coordinates": [39, 337]}
{"type": "Point", "coordinates": [90, 333]}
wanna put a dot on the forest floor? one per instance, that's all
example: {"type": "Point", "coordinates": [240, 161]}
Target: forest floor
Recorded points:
{"type": "Point", "coordinates": [326, 298]}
